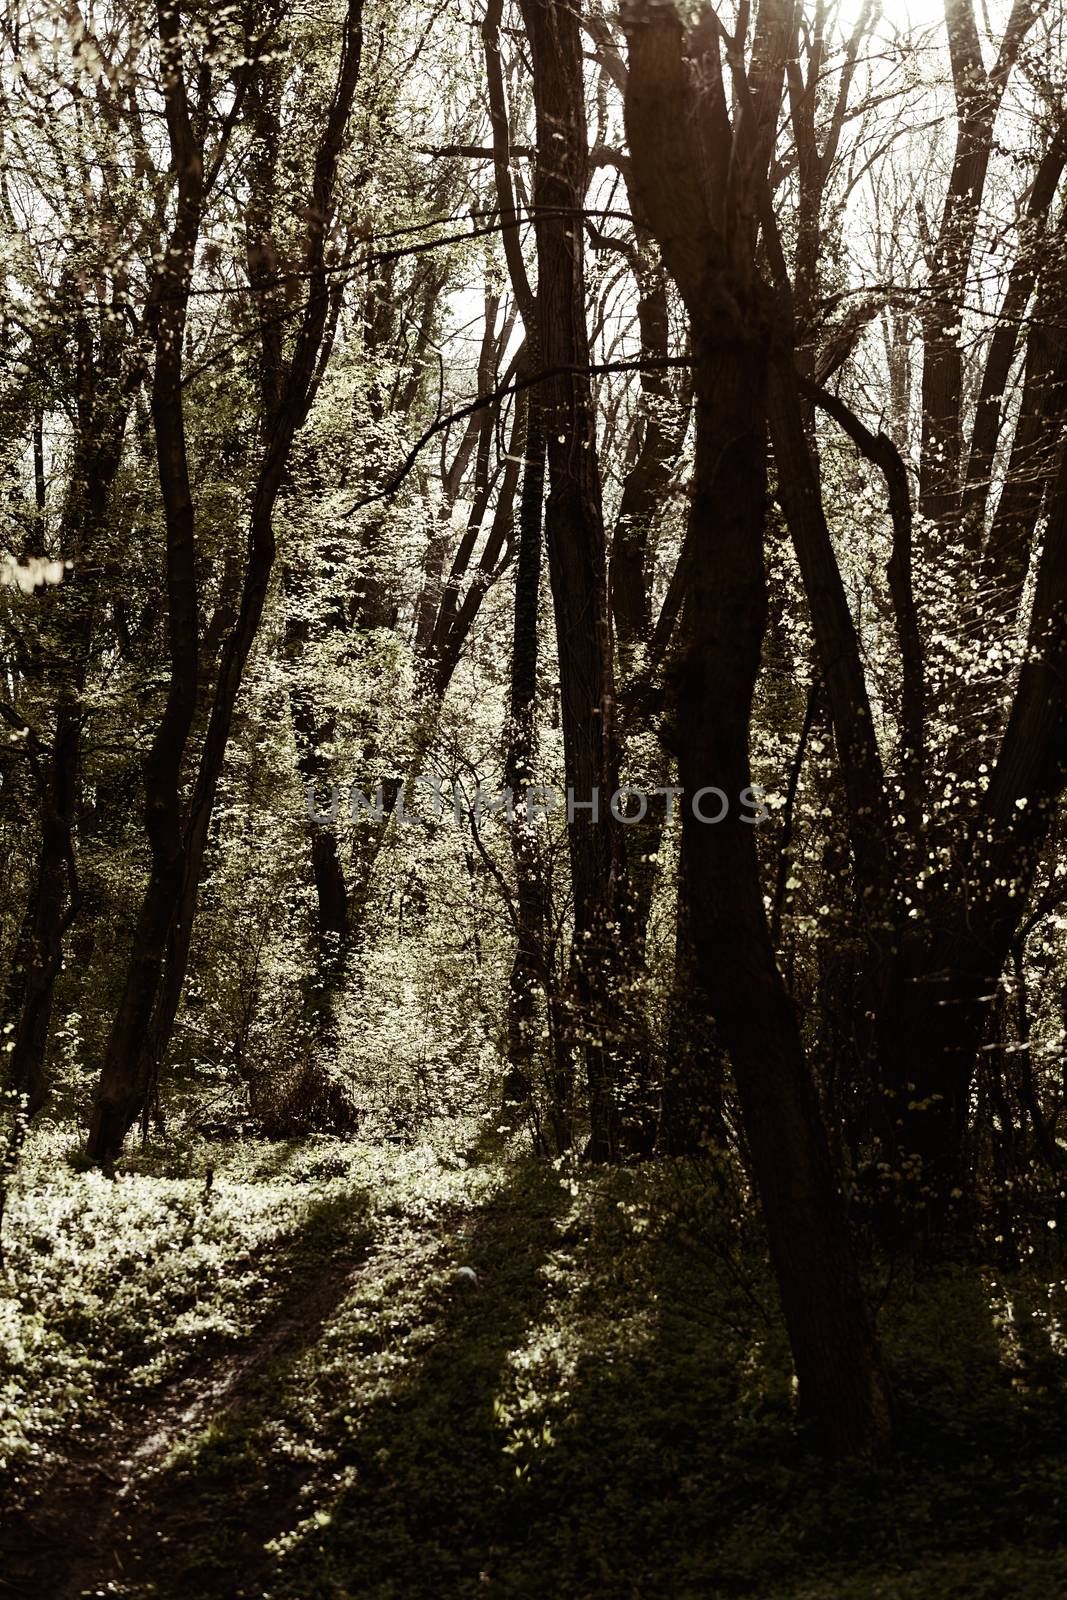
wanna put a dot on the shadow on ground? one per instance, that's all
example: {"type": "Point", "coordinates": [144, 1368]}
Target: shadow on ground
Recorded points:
{"type": "Point", "coordinates": [421, 1459]}
{"type": "Point", "coordinates": [607, 1414]}
{"type": "Point", "coordinates": [76, 1535]}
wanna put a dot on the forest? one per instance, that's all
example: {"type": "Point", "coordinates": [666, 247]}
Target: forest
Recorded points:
{"type": "Point", "coordinates": [533, 844]}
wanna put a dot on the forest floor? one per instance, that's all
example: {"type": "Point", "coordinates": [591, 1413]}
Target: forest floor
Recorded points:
{"type": "Point", "coordinates": [252, 1371]}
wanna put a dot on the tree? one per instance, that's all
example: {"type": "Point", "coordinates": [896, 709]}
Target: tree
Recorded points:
{"type": "Point", "coordinates": [707, 232]}
{"type": "Point", "coordinates": [142, 1024]}
{"type": "Point", "coordinates": [577, 551]}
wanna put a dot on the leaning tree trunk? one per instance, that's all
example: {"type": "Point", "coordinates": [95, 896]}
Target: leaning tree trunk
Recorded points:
{"type": "Point", "coordinates": [119, 1099]}
{"type": "Point", "coordinates": [161, 951]}
{"type": "Point", "coordinates": [706, 232]}
{"type": "Point", "coordinates": [733, 964]}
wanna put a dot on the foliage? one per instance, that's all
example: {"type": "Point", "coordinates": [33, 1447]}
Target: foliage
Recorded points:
{"type": "Point", "coordinates": [565, 396]}
{"type": "Point", "coordinates": [608, 1411]}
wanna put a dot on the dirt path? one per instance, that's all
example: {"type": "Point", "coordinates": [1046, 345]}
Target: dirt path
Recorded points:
{"type": "Point", "coordinates": [97, 1515]}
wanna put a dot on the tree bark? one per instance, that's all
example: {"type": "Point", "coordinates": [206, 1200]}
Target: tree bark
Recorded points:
{"type": "Point", "coordinates": [142, 1025]}
{"type": "Point", "coordinates": [708, 244]}
{"type": "Point", "coordinates": [103, 406]}
{"type": "Point", "coordinates": [120, 1095]}
{"type": "Point", "coordinates": [577, 555]}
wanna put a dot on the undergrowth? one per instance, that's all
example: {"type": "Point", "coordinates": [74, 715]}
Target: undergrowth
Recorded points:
{"type": "Point", "coordinates": [607, 1411]}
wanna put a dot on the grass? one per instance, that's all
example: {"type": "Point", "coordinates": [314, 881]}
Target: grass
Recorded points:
{"type": "Point", "coordinates": [608, 1412]}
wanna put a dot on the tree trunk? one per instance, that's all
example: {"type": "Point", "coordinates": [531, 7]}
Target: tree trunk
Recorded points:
{"type": "Point", "coordinates": [734, 971]}
{"type": "Point", "coordinates": [707, 233]}
{"type": "Point", "coordinates": [55, 898]}
{"type": "Point", "coordinates": [157, 968]}
{"type": "Point", "coordinates": [528, 971]}
{"type": "Point", "coordinates": [120, 1093]}
{"type": "Point", "coordinates": [577, 557]}
{"type": "Point", "coordinates": [54, 905]}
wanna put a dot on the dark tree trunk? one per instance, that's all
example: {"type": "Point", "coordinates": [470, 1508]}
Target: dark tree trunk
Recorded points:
{"type": "Point", "coordinates": [528, 968]}
{"type": "Point", "coordinates": [692, 1095]}
{"type": "Point", "coordinates": [577, 558]}
{"type": "Point", "coordinates": [531, 970]}
{"type": "Point", "coordinates": [946, 975]}
{"type": "Point", "coordinates": [709, 247]}
{"type": "Point", "coordinates": [142, 1026]}
{"type": "Point", "coordinates": [54, 905]}
{"type": "Point", "coordinates": [314, 730]}
{"type": "Point", "coordinates": [311, 730]}
{"type": "Point", "coordinates": [55, 898]}
{"type": "Point", "coordinates": [120, 1094]}
{"type": "Point", "coordinates": [734, 970]}
{"type": "Point", "coordinates": [978, 94]}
